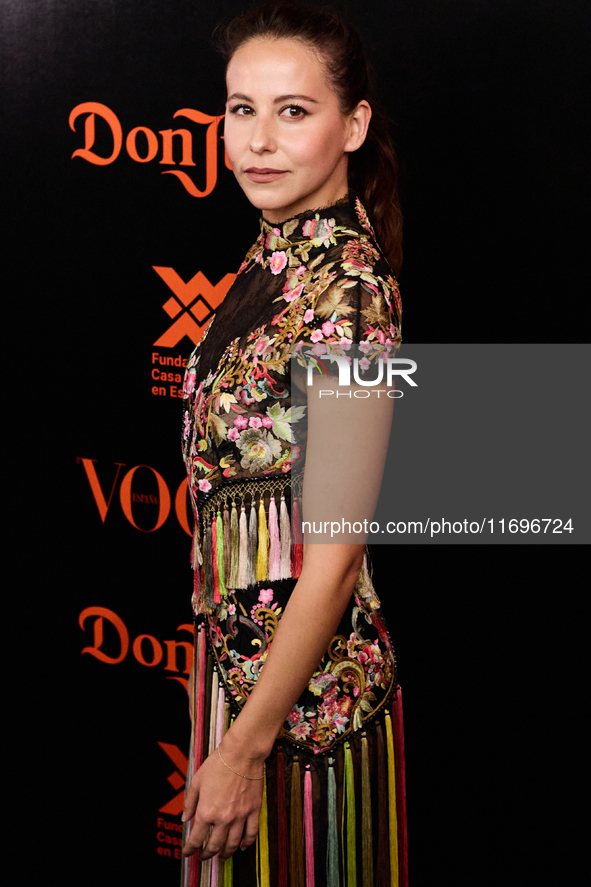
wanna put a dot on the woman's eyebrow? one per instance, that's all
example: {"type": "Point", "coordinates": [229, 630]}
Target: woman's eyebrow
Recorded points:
{"type": "Point", "coordinates": [280, 98]}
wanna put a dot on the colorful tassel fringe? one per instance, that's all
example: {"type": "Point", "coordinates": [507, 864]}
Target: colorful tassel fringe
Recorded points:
{"type": "Point", "coordinates": [308, 827]}
{"type": "Point", "coordinates": [263, 842]}
{"type": "Point", "coordinates": [281, 823]}
{"type": "Point", "coordinates": [290, 834]}
{"type": "Point", "coordinates": [366, 830]}
{"type": "Point", "coordinates": [332, 844]}
{"type": "Point", "coordinates": [246, 547]}
{"type": "Point", "coordinates": [297, 557]}
{"type": "Point", "coordinates": [296, 859]}
{"type": "Point", "coordinates": [348, 833]}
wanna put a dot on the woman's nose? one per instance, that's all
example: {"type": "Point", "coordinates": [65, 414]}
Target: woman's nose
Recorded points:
{"type": "Point", "coordinates": [262, 136]}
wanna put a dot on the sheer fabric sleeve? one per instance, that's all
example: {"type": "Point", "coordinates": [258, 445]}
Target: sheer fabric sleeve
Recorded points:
{"type": "Point", "coordinates": [357, 316]}
{"type": "Point", "coordinates": [359, 306]}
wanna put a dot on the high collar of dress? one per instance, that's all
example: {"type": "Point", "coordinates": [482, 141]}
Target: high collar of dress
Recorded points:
{"type": "Point", "coordinates": [317, 225]}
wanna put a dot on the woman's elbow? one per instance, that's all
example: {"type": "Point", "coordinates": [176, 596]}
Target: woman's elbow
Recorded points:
{"type": "Point", "coordinates": [338, 562]}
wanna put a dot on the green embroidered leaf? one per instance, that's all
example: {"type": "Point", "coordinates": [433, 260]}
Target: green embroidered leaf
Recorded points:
{"type": "Point", "coordinates": [282, 430]}
{"type": "Point", "coordinates": [294, 414]}
{"type": "Point", "coordinates": [275, 412]}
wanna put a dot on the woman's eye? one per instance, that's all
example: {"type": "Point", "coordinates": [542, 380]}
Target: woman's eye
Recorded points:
{"type": "Point", "coordinates": [242, 110]}
{"type": "Point", "coordinates": [294, 111]}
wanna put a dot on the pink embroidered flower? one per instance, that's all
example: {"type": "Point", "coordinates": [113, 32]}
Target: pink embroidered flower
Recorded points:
{"type": "Point", "coordinates": [233, 434]}
{"type": "Point", "coordinates": [295, 293]}
{"type": "Point", "coordinates": [309, 228]}
{"type": "Point", "coordinates": [295, 716]}
{"type": "Point", "coordinates": [308, 316]}
{"type": "Point", "coordinates": [189, 383]}
{"type": "Point", "coordinates": [232, 609]}
{"type": "Point", "coordinates": [268, 422]}
{"type": "Point", "coordinates": [301, 730]}
{"type": "Point", "coordinates": [316, 336]}
{"type": "Point", "coordinates": [204, 485]}
{"type": "Point", "coordinates": [244, 395]}
{"type": "Point", "coordinates": [270, 242]}
{"type": "Point", "coordinates": [351, 644]}
{"type": "Point", "coordinates": [365, 347]}
{"type": "Point", "coordinates": [262, 345]}
{"type": "Point", "coordinates": [266, 595]}
{"type": "Point", "coordinates": [345, 343]}
{"type": "Point", "coordinates": [241, 422]}
{"type": "Point", "coordinates": [364, 364]}
{"type": "Point", "coordinates": [328, 328]}
{"type": "Point", "coordinates": [278, 262]}
{"type": "Point", "coordinates": [255, 422]}
{"type": "Point", "coordinates": [320, 348]}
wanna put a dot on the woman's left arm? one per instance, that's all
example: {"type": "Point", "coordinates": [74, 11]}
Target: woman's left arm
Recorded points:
{"type": "Point", "coordinates": [218, 799]}
{"type": "Point", "coordinates": [217, 795]}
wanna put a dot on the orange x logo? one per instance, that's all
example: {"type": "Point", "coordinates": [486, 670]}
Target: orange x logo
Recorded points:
{"type": "Point", "coordinates": [176, 778]}
{"type": "Point", "coordinates": [197, 300]}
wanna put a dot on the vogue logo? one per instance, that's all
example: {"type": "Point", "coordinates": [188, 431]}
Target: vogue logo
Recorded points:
{"type": "Point", "coordinates": [143, 145]}
{"type": "Point", "coordinates": [127, 496]}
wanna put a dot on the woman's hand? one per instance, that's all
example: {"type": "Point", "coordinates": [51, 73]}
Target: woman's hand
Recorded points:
{"type": "Point", "coordinates": [224, 806]}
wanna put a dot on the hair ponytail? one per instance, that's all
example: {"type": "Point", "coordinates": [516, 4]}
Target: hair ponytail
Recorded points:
{"type": "Point", "coordinates": [373, 169]}
{"type": "Point", "coordinates": [373, 174]}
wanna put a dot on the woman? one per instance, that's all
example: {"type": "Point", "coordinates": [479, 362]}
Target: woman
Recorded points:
{"type": "Point", "coordinates": [302, 757]}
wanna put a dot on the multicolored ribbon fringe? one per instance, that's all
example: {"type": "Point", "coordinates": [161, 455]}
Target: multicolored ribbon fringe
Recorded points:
{"type": "Point", "coordinates": [351, 849]}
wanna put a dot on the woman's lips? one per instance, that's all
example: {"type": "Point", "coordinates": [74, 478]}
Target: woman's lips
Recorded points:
{"type": "Point", "coordinates": [264, 175]}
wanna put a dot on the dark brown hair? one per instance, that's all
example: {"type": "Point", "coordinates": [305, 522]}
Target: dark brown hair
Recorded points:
{"type": "Point", "coordinates": [373, 169]}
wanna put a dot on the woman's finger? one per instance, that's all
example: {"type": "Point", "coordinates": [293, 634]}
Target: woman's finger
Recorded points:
{"type": "Point", "coordinates": [215, 842]}
{"type": "Point", "coordinates": [191, 799]}
{"type": "Point", "coordinates": [198, 838]}
{"type": "Point", "coordinates": [251, 830]}
{"type": "Point", "coordinates": [233, 840]}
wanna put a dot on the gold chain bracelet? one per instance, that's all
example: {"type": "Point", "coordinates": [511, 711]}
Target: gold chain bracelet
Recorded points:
{"type": "Point", "coordinates": [236, 771]}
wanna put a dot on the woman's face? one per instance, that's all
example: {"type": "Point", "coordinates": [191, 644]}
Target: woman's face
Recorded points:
{"type": "Point", "coordinates": [285, 135]}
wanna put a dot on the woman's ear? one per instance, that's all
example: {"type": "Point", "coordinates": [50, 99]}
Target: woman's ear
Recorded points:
{"type": "Point", "coordinates": [358, 125]}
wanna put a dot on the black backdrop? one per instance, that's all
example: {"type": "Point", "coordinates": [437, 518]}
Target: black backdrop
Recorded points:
{"type": "Point", "coordinates": [487, 103]}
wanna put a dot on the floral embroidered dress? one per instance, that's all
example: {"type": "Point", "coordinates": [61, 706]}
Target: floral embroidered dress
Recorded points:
{"type": "Point", "coordinates": [333, 806]}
